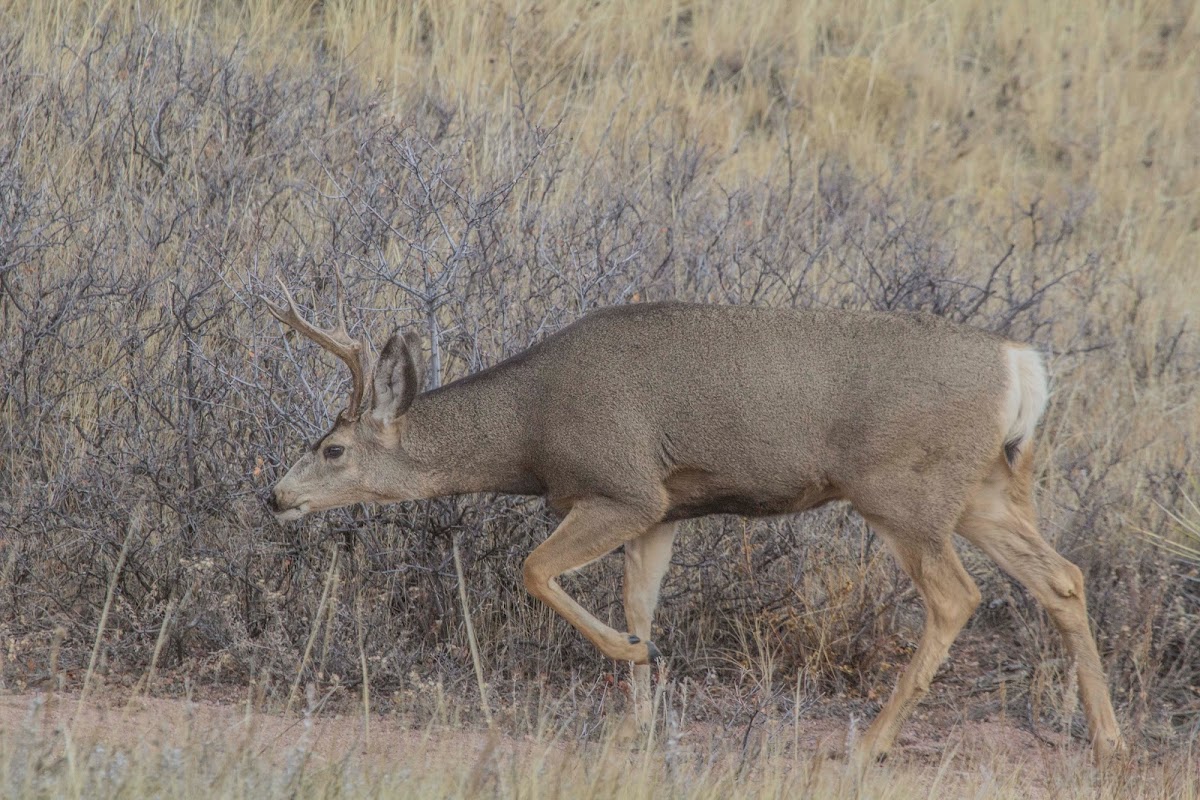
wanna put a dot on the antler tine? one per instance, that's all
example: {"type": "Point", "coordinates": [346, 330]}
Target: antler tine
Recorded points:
{"type": "Point", "coordinates": [337, 341]}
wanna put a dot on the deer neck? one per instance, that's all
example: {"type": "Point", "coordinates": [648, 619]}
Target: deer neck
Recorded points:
{"type": "Point", "coordinates": [468, 436]}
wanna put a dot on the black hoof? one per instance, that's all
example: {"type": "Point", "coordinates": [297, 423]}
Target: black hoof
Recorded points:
{"type": "Point", "coordinates": [633, 639]}
{"type": "Point", "coordinates": [653, 653]}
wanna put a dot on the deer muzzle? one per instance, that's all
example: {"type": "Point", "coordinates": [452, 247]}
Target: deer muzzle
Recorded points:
{"type": "Point", "coordinates": [285, 507]}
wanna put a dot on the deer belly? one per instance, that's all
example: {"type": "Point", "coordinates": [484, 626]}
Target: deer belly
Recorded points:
{"type": "Point", "coordinates": [696, 493]}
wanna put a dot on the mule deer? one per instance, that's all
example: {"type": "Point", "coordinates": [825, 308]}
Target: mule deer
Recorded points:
{"type": "Point", "coordinates": [636, 417]}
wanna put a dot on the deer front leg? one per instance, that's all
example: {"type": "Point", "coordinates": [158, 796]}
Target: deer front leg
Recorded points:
{"type": "Point", "coordinates": [591, 530]}
{"type": "Point", "coordinates": [646, 562]}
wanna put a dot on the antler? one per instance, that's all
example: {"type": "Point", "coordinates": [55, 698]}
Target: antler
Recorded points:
{"type": "Point", "coordinates": [337, 341]}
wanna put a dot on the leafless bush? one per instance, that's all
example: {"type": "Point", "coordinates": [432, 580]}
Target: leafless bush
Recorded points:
{"type": "Point", "coordinates": [148, 191]}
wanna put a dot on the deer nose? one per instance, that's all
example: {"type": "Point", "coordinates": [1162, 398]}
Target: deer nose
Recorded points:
{"type": "Point", "coordinates": [273, 502]}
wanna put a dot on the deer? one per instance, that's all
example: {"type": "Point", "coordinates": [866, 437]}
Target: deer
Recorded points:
{"type": "Point", "coordinates": [634, 418]}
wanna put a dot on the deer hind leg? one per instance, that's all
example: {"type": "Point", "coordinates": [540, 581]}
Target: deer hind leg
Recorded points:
{"type": "Point", "coordinates": [950, 597]}
{"type": "Point", "coordinates": [592, 529]}
{"type": "Point", "coordinates": [1000, 520]}
{"type": "Point", "coordinates": [646, 562]}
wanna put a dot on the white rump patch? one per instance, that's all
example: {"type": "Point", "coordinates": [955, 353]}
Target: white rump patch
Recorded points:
{"type": "Point", "coordinates": [1028, 388]}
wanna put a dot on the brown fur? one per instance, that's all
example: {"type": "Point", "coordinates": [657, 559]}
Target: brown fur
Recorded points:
{"type": "Point", "coordinates": [635, 417]}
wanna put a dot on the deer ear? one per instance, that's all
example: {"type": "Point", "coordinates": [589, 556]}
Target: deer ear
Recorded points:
{"type": "Point", "coordinates": [399, 377]}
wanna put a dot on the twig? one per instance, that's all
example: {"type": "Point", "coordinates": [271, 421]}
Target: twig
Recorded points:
{"type": "Point", "coordinates": [312, 634]}
{"type": "Point", "coordinates": [462, 596]}
{"type": "Point", "coordinates": [134, 522]}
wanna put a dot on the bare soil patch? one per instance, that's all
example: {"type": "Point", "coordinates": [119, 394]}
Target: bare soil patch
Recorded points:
{"type": "Point", "coordinates": [120, 722]}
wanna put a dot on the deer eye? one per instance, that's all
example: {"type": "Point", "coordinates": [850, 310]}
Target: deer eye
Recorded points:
{"type": "Point", "coordinates": [333, 451]}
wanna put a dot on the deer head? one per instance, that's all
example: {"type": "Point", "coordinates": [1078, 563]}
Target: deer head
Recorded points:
{"type": "Point", "coordinates": [362, 456]}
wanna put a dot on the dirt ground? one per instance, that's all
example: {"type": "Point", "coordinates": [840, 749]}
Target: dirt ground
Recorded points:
{"type": "Point", "coordinates": [391, 739]}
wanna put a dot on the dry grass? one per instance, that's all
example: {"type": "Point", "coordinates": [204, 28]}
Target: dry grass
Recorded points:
{"type": "Point", "coordinates": [489, 173]}
{"type": "Point", "coordinates": [185, 749]}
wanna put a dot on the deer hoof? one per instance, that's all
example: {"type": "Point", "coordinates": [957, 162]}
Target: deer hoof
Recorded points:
{"type": "Point", "coordinates": [1107, 748]}
{"type": "Point", "coordinates": [653, 655]}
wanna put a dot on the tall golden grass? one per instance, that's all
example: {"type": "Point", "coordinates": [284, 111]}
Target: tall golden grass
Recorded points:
{"type": "Point", "coordinates": [991, 105]}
